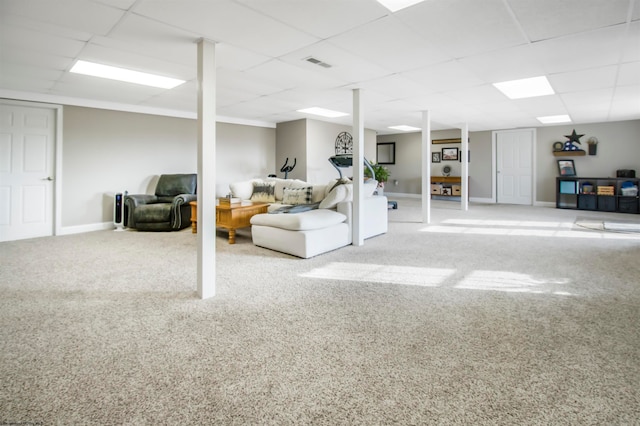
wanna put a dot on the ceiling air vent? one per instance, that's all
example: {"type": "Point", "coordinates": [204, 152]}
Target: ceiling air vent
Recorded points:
{"type": "Point", "coordinates": [317, 62]}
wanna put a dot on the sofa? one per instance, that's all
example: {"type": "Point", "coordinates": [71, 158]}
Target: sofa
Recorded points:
{"type": "Point", "coordinates": [306, 219]}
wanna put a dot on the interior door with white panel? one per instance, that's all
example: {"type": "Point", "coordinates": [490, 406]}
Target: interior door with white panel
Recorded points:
{"type": "Point", "coordinates": [27, 150]}
{"type": "Point", "coordinates": [514, 162]}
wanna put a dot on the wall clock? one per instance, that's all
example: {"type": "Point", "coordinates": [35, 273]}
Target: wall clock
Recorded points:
{"type": "Point", "coordinates": [344, 143]}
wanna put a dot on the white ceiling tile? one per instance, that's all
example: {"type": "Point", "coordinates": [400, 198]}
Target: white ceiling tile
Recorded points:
{"type": "Point", "coordinates": [324, 18]}
{"type": "Point", "coordinates": [395, 86]}
{"type": "Point", "coordinates": [78, 15]}
{"type": "Point", "coordinates": [12, 37]}
{"type": "Point", "coordinates": [586, 50]}
{"type": "Point", "coordinates": [462, 28]}
{"type": "Point", "coordinates": [631, 43]}
{"type": "Point", "coordinates": [286, 76]}
{"type": "Point", "coordinates": [629, 74]}
{"type": "Point", "coordinates": [229, 22]}
{"type": "Point", "coordinates": [388, 43]}
{"type": "Point", "coordinates": [445, 76]}
{"type": "Point", "coordinates": [583, 106]}
{"type": "Point", "coordinates": [120, 4]}
{"type": "Point", "coordinates": [476, 95]}
{"type": "Point", "coordinates": [545, 19]}
{"type": "Point", "coordinates": [512, 63]}
{"type": "Point", "coordinates": [626, 103]}
{"type": "Point", "coordinates": [344, 65]}
{"type": "Point", "coordinates": [588, 79]}
{"type": "Point", "coordinates": [44, 27]}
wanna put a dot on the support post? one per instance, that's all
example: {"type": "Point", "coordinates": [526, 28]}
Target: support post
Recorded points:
{"type": "Point", "coordinates": [464, 175]}
{"type": "Point", "coordinates": [426, 167]}
{"type": "Point", "coordinates": [206, 169]}
{"type": "Point", "coordinates": [358, 169]}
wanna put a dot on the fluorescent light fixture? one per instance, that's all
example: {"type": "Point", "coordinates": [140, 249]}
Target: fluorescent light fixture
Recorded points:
{"type": "Point", "coordinates": [554, 119]}
{"type": "Point", "coordinates": [122, 74]}
{"type": "Point", "coordinates": [396, 5]}
{"type": "Point", "coordinates": [323, 112]}
{"type": "Point", "coordinates": [405, 128]}
{"type": "Point", "coordinates": [525, 88]}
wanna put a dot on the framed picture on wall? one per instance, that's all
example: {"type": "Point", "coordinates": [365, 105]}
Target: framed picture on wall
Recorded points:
{"type": "Point", "coordinates": [435, 157]}
{"type": "Point", "coordinates": [449, 154]}
{"type": "Point", "coordinates": [566, 168]}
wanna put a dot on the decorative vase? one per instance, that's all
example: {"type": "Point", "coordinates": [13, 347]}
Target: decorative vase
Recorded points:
{"type": "Point", "coordinates": [593, 148]}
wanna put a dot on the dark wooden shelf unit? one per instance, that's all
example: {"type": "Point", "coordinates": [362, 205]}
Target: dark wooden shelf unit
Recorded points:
{"type": "Point", "coordinates": [596, 193]}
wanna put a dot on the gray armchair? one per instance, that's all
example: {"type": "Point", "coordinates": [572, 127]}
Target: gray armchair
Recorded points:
{"type": "Point", "coordinates": [167, 210]}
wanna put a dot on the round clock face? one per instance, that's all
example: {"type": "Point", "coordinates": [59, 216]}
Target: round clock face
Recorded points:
{"type": "Point", "coordinates": [344, 143]}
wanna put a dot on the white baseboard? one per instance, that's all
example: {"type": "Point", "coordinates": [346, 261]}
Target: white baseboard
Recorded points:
{"type": "Point", "coordinates": [544, 204]}
{"type": "Point", "coordinates": [418, 196]}
{"type": "Point", "coordinates": [482, 200]}
{"type": "Point", "coordinates": [79, 229]}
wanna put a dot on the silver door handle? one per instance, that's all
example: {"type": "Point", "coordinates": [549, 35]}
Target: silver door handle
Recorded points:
{"type": "Point", "coordinates": [49, 178]}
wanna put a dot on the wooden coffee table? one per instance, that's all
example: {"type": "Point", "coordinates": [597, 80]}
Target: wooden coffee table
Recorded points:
{"type": "Point", "coordinates": [231, 216]}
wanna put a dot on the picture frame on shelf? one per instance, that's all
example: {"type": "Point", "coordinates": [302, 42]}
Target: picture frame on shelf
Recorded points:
{"type": "Point", "coordinates": [449, 154]}
{"type": "Point", "coordinates": [566, 168]}
{"type": "Point", "coordinates": [435, 157]}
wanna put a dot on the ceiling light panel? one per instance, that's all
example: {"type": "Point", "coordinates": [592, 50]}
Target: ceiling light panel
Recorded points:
{"type": "Point", "coordinates": [554, 119]}
{"type": "Point", "coordinates": [405, 128]}
{"type": "Point", "coordinates": [323, 112]}
{"type": "Point", "coordinates": [525, 88]}
{"type": "Point", "coordinates": [396, 5]}
{"type": "Point", "coordinates": [122, 74]}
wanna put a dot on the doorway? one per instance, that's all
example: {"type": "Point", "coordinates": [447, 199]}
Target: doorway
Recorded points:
{"type": "Point", "coordinates": [515, 168]}
{"type": "Point", "coordinates": [27, 170]}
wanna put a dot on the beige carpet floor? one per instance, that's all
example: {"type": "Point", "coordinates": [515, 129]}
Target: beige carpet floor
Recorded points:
{"type": "Point", "coordinates": [499, 315]}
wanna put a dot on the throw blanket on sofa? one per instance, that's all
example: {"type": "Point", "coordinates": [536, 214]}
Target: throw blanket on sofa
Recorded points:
{"type": "Point", "coordinates": [299, 208]}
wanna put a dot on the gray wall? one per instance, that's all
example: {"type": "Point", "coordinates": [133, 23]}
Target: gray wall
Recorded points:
{"type": "Point", "coordinates": [313, 141]}
{"type": "Point", "coordinates": [619, 148]}
{"type": "Point", "coordinates": [291, 143]}
{"type": "Point", "coordinates": [406, 173]}
{"type": "Point", "coordinates": [106, 151]}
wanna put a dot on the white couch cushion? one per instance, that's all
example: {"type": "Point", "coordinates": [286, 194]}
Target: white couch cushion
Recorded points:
{"type": "Point", "coordinates": [342, 192]}
{"type": "Point", "coordinates": [313, 219]}
{"type": "Point", "coordinates": [244, 189]}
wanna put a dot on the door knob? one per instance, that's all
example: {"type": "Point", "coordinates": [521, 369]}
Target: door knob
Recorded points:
{"type": "Point", "coordinates": [49, 178]}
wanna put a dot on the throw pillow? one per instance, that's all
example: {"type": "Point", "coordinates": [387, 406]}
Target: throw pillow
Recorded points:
{"type": "Point", "coordinates": [298, 195]}
{"type": "Point", "coordinates": [264, 192]}
{"type": "Point", "coordinates": [339, 193]}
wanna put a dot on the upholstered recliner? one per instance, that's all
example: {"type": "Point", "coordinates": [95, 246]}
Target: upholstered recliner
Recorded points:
{"type": "Point", "coordinates": [167, 210]}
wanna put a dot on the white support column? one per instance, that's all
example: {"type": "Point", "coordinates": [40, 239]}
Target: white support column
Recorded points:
{"type": "Point", "coordinates": [426, 166]}
{"type": "Point", "coordinates": [464, 175]}
{"type": "Point", "coordinates": [358, 168]}
{"type": "Point", "coordinates": [206, 169]}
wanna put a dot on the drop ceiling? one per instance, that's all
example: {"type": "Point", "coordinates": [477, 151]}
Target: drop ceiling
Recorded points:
{"type": "Point", "coordinates": [439, 55]}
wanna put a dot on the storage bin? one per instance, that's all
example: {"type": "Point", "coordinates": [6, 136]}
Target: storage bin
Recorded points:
{"type": "Point", "coordinates": [628, 204]}
{"type": "Point", "coordinates": [587, 202]}
{"type": "Point", "coordinates": [436, 188]}
{"type": "Point", "coordinates": [606, 203]}
{"type": "Point", "coordinates": [606, 190]}
{"type": "Point", "coordinates": [456, 189]}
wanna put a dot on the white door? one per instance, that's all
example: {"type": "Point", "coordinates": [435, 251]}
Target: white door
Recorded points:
{"type": "Point", "coordinates": [514, 167]}
{"type": "Point", "coordinates": [27, 147]}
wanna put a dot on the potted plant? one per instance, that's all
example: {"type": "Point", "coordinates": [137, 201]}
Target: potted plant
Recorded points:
{"type": "Point", "coordinates": [381, 175]}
